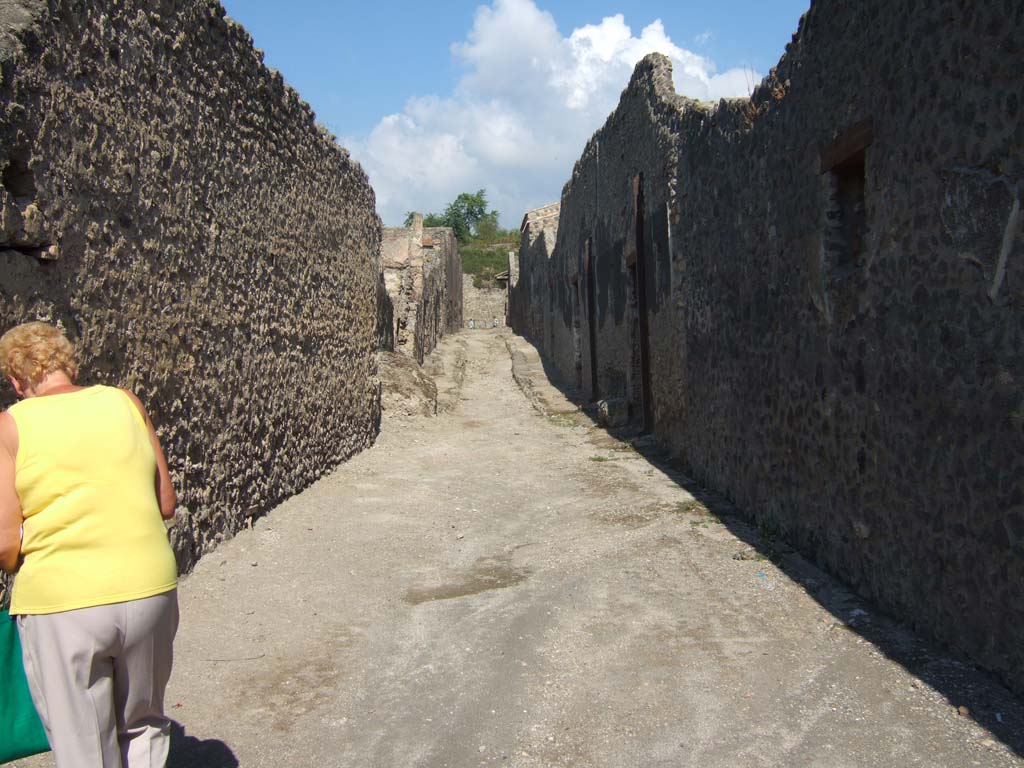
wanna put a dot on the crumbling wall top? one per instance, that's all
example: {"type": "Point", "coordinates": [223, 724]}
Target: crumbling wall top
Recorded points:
{"type": "Point", "coordinates": [16, 16]}
{"type": "Point", "coordinates": [541, 222]}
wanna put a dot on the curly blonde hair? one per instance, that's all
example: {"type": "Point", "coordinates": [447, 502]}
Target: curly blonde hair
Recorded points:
{"type": "Point", "coordinates": [31, 351]}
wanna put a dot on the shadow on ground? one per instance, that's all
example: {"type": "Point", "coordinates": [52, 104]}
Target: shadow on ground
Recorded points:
{"type": "Point", "coordinates": [974, 692]}
{"type": "Point", "coordinates": [190, 752]}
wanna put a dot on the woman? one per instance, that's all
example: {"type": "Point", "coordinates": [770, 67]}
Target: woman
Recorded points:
{"type": "Point", "coordinates": [83, 487]}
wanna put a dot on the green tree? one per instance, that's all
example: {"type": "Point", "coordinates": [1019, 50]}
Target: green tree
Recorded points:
{"type": "Point", "coordinates": [464, 212]}
{"type": "Point", "coordinates": [468, 217]}
{"type": "Point", "coordinates": [487, 229]}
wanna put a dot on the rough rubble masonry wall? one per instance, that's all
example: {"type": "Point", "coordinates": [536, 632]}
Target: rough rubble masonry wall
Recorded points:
{"type": "Point", "coordinates": [816, 297]}
{"type": "Point", "coordinates": [170, 201]}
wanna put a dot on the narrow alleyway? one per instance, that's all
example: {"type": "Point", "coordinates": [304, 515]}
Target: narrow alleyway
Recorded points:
{"type": "Point", "coordinates": [494, 586]}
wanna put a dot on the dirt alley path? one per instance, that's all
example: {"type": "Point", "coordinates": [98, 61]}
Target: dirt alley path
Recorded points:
{"type": "Point", "coordinates": [494, 587]}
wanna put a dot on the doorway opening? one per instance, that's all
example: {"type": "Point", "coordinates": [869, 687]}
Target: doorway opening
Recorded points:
{"type": "Point", "coordinates": [638, 270]}
{"type": "Point", "coordinates": [590, 279]}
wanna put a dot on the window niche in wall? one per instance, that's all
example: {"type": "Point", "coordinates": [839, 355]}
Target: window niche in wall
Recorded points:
{"type": "Point", "coordinates": [844, 172]}
{"type": "Point", "coordinates": [17, 178]}
{"type": "Point", "coordinates": [22, 225]}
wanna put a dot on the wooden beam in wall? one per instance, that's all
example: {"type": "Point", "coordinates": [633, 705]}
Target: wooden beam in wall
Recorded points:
{"type": "Point", "coordinates": [849, 143]}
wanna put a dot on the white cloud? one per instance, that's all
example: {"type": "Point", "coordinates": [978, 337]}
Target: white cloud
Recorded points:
{"type": "Point", "coordinates": [734, 82]}
{"type": "Point", "coordinates": [704, 37]}
{"type": "Point", "coordinates": [523, 111]}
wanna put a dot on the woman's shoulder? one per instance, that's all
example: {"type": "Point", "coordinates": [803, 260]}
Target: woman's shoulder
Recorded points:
{"type": "Point", "coordinates": [137, 407]}
{"type": "Point", "coordinates": [112, 392]}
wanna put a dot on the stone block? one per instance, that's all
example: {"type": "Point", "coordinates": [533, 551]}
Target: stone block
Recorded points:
{"type": "Point", "coordinates": [613, 412]}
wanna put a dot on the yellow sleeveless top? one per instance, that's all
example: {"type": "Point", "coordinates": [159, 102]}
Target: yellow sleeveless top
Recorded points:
{"type": "Point", "coordinates": [85, 473]}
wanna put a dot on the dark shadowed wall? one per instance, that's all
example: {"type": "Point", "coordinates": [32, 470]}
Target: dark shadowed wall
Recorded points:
{"type": "Point", "coordinates": [529, 311]}
{"type": "Point", "coordinates": [816, 295]}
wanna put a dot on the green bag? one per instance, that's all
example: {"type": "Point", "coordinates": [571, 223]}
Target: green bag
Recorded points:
{"type": "Point", "coordinates": [21, 732]}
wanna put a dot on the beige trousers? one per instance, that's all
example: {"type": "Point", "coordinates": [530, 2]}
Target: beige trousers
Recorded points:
{"type": "Point", "coordinates": [97, 677]}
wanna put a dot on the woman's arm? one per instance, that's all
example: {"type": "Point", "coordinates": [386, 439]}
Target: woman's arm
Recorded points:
{"type": "Point", "coordinates": [10, 504]}
{"type": "Point", "coordinates": [165, 494]}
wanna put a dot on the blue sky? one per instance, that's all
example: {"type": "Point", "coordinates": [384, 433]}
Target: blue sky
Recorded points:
{"type": "Point", "coordinates": [438, 98]}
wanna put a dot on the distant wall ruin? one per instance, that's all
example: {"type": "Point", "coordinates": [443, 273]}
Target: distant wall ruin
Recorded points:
{"type": "Point", "coordinates": [815, 296]}
{"type": "Point", "coordinates": [484, 307]}
{"type": "Point", "coordinates": [174, 205]}
{"type": "Point", "coordinates": [529, 294]}
{"type": "Point", "coordinates": [423, 279]}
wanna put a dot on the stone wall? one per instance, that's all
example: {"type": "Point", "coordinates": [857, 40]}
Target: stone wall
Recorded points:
{"type": "Point", "coordinates": [815, 297]}
{"type": "Point", "coordinates": [423, 278]}
{"type": "Point", "coordinates": [175, 206]}
{"type": "Point", "coordinates": [385, 316]}
{"type": "Point", "coordinates": [528, 285]}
